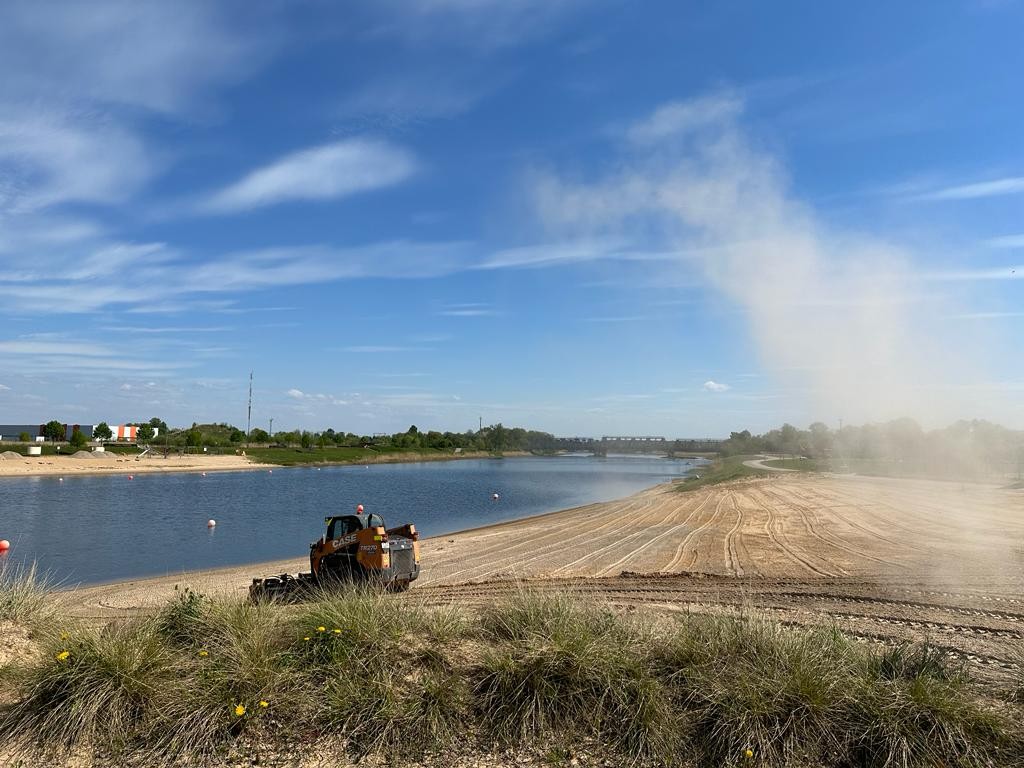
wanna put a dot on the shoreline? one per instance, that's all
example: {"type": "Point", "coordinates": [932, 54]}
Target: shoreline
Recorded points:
{"type": "Point", "coordinates": [114, 463]}
{"type": "Point", "coordinates": [270, 567]}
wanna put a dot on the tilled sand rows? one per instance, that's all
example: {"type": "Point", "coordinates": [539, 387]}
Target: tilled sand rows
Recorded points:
{"type": "Point", "coordinates": [790, 526]}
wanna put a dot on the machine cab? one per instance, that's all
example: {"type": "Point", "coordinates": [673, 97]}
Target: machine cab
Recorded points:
{"type": "Point", "coordinates": [345, 525]}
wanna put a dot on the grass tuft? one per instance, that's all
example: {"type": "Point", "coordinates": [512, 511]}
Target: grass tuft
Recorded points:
{"type": "Point", "coordinates": [558, 666]}
{"type": "Point", "coordinates": [24, 594]}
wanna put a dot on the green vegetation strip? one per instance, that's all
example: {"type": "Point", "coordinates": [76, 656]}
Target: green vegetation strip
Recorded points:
{"type": "Point", "coordinates": [340, 455]}
{"type": "Point", "coordinates": [207, 679]}
{"type": "Point", "coordinates": [720, 471]}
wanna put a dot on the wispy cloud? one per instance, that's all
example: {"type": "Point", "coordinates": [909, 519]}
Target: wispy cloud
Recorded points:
{"type": "Point", "coordinates": [50, 157]}
{"type": "Point", "coordinates": [1014, 272]}
{"type": "Point", "coordinates": [685, 116]}
{"type": "Point", "coordinates": [715, 386]}
{"type": "Point", "coordinates": [1009, 242]}
{"type": "Point", "coordinates": [986, 315]}
{"type": "Point", "coordinates": [371, 349]}
{"type": "Point", "coordinates": [321, 173]}
{"type": "Point", "coordinates": [468, 310]}
{"type": "Point", "coordinates": [1011, 185]}
{"type": "Point", "coordinates": [143, 54]}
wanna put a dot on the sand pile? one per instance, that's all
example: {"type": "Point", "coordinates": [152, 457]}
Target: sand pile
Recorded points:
{"type": "Point", "coordinates": [10, 455]}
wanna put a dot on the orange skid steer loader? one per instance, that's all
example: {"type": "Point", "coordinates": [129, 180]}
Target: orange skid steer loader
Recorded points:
{"type": "Point", "coordinates": [355, 549]}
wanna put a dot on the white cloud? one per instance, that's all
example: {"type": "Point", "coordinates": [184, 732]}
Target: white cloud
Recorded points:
{"type": "Point", "coordinates": [19, 347]}
{"type": "Point", "coordinates": [143, 53]}
{"type": "Point", "coordinates": [320, 173]}
{"type": "Point", "coordinates": [50, 157]}
{"type": "Point", "coordinates": [1011, 185]}
{"type": "Point", "coordinates": [297, 394]}
{"type": "Point", "coordinates": [4, 388]}
{"type": "Point", "coordinates": [714, 386]}
{"type": "Point", "coordinates": [684, 117]}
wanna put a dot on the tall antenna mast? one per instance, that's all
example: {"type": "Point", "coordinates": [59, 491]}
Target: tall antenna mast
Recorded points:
{"type": "Point", "coordinates": [248, 417]}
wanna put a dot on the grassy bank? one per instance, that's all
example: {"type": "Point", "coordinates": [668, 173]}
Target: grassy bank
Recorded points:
{"type": "Point", "coordinates": [721, 470]}
{"type": "Point", "coordinates": [208, 681]}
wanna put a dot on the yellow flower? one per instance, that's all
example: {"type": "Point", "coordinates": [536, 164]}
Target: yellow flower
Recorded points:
{"type": "Point", "coordinates": [264, 704]}
{"type": "Point", "coordinates": [239, 709]}
{"type": "Point", "coordinates": [321, 629]}
{"type": "Point", "coordinates": [336, 631]}
{"type": "Point", "coordinates": [306, 639]}
{"type": "Point", "coordinates": [203, 654]}
{"type": "Point", "coordinates": [63, 656]}
{"type": "Point", "coordinates": [749, 753]}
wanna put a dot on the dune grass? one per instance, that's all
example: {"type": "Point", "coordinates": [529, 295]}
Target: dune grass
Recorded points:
{"type": "Point", "coordinates": [23, 594]}
{"type": "Point", "coordinates": [385, 674]}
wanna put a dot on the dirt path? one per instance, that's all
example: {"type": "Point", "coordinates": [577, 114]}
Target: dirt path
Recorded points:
{"type": "Point", "coordinates": [760, 464]}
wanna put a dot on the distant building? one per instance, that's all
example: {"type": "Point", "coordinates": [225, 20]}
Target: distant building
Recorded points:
{"type": "Point", "coordinates": [12, 432]}
{"type": "Point", "coordinates": [129, 433]}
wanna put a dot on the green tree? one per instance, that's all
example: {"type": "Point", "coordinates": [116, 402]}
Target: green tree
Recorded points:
{"type": "Point", "coordinates": [160, 424]}
{"type": "Point", "coordinates": [194, 437]}
{"type": "Point", "coordinates": [306, 440]}
{"type": "Point", "coordinates": [259, 436]}
{"type": "Point", "coordinates": [102, 431]}
{"type": "Point", "coordinates": [236, 436]}
{"type": "Point", "coordinates": [53, 431]}
{"type": "Point", "coordinates": [145, 433]}
{"type": "Point", "coordinates": [25, 437]}
{"type": "Point", "coordinates": [78, 439]}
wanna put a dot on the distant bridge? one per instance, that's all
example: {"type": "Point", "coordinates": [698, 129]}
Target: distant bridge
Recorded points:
{"type": "Point", "coordinates": [637, 444]}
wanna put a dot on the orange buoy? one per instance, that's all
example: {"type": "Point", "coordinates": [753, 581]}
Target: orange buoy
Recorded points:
{"type": "Point", "coordinates": [4, 545]}
{"type": "Point", "coordinates": [211, 523]}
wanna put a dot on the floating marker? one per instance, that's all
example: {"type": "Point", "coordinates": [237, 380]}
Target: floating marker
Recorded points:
{"type": "Point", "coordinates": [131, 477]}
{"type": "Point", "coordinates": [60, 479]}
{"type": "Point", "coordinates": [359, 508]}
{"type": "Point", "coordinates": [211, 523]}
{"type": "Point", "coordinates": [270, 471]}
{"type": "Point", "coordinates": [203, 474]}
{"type": "Point", "coordinates": [4, 545]}
{"type": "Point", "coordinates": [495, 497]}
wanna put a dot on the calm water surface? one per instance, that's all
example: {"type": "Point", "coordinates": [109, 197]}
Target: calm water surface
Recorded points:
{"type": "Point", "coordinates": [103, 528]}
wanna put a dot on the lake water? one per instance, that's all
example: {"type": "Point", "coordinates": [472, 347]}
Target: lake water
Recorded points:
{"type": "Point", "coordinates": [106, 527]}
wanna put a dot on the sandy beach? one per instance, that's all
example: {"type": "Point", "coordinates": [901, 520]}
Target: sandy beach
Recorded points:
{"type": "Point", "coordinates": [112, 463]}
{"type": "Point", "coordinates": [880, 558]}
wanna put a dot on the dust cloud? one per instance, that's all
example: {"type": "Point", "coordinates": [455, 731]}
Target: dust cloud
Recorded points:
{"type": "Point", "coordinates": [849, 323]}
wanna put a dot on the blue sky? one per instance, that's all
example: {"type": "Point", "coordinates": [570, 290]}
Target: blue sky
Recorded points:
{"type": "Point", "coordinates": [585, 217]}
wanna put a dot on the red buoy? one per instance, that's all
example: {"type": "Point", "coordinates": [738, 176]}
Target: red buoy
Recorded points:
{"type": "Point", "coordinates": [131, 477]}
{"type": "Point", "coordinates": [4, 545]}
{"type": "Point", "coordinates": [359, 508]}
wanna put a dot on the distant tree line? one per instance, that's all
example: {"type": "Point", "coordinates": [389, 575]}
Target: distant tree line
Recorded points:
{"type": "Point", "coordinates": [965, 447]}
{"type": "Point", "coordinates": [496, 437]}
